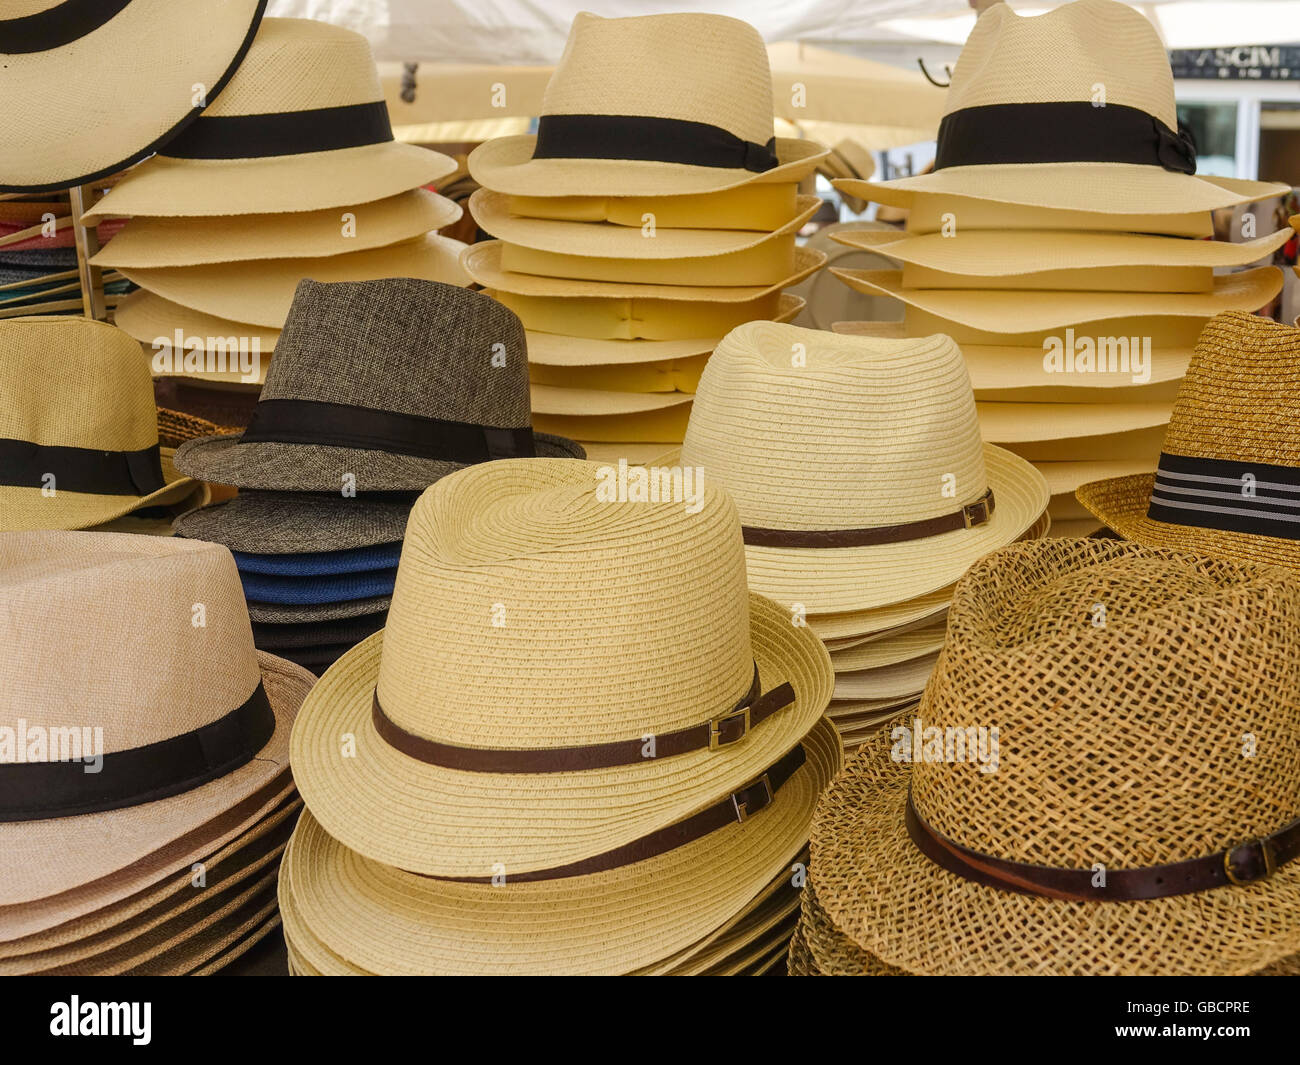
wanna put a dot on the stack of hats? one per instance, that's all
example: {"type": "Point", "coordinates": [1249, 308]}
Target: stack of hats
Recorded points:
{"type": "Point", "coordinates": [145, 794]}
{"type": "Point", "coordinates": [79, 432]}
{"type": "Point", "coordinates": [378, 389]}
{"type": "Point", "coordinates": [1051, 241]}
{"type": "Point", "coordinates": [581, 745]}
{"type": "Point", "coordinates": [653, 211]}
{"type": "Point", "coordinates": [1010, 830]}
{"type": "Point", "coordinates": [864, 491]}
{"type": "Point", "coordinates": [291, 173]}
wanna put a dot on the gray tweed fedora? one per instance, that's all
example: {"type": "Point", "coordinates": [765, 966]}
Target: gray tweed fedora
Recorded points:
{"type": "Point", "coordinates": [385, 386]}
{"type": "Point", "coordinates": [292, 523]}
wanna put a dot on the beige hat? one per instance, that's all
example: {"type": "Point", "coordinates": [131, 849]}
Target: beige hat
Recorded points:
{"type": "Point", "coordinates": [679, 375]}
{"type": "Point", "coordinates": [900, 647]}
{"type": "Point", "coordinates": [760, 207]}
{"type": "Point", "coordinates": [650, 106]}
{"type": "Point", "coordinates": [302, 126]}
{"type": "Point", "coordinates": [662, 425]}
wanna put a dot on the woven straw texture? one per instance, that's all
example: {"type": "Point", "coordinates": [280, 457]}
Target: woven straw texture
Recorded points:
{"type": "Point", "coordinates": [175, 427]}
{"type": "Point", "coordinates": [752, 207]}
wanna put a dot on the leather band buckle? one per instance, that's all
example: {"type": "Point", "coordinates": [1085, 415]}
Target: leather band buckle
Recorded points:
{"type": "Point", "coordinates": [720, 731]}
{"type": "Point", "coordinates": [1270, 865]}
{"type": "Point", "coordinates": [976, 513]}
{"type": "Point", "coordinates": [742, 800]}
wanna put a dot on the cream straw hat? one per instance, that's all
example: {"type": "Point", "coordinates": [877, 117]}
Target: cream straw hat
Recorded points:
{"type": "Point", "coordinates": [761, 207]}
{"type": "Point", "coordinates": [483, 751]}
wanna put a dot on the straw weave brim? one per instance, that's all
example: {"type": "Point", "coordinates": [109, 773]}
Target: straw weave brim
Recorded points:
{"type": "Point", "coordinates": [901, 647]}
{"type": "Point", "coordinates": [563, 402]}
{"type": "Point", "coordinates": [220, 945]}
{"type": "Point", "coordinates": [506, 165]}
{"type": "Point", "coordinates": [606, 240]}
{"type": "Point", "coordinates": [1063, 478]}
{"type": "Point", "coordinates": [262, 291]}
{"type": "Point", "coordinates": [483, 264]}
{"type": "Point", "coordinates": [43, 858]}
{"type": "Point", "coordinates": [157, 522]}
{"type": "Point", "coordinates": [1014, 423]}
{"type": "Point", "coordinates": [386, 921]}
{"type": "Point", "coordinates": [896, 681]}
{"type": "Point", "coordinates": [148, 318]}
{"type": "Point", "coordinates": [143, 63]}
{"type": "Point", "coordinates": [163, 242]}
{"type": "Point", "coordinates": [164, 187]}
{"type": "Point", "coordinates": [240, 947]}
{"type": "Point", "coordinates": [284, 523]}
{"type": "Point", "coordinates": [427, 819]}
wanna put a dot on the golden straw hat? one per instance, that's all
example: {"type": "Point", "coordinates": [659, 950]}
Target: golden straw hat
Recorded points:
{"type": "Point", "coordinates": [653, 105]}
{"type": "Point", "coordinates": [897, 647]}
{"type": "Point", "coordinates": [1228, 474]}
{"type": "Point", "coordinates": [1049, 848]}
{"type": "Point", "coordinates": [153, 65]}
{"type": "Point", "coordinates": [1071, 109]}
{"type": "Point", "coordinates": [762, 207]}
{"type": "Point", "coordinates": [190, 720]}
{"type": "Point", "coordinates": [510, 723]}
{"type": "Point", "coordinates": [301, 126]}
{"type": "Point", "coordinates": [856, 465]}
{"type": "Point", "coordinates": [78, 427]}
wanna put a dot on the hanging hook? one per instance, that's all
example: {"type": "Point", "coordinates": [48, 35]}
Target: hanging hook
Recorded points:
{"type": "Point", "coordinates": [930, 78]}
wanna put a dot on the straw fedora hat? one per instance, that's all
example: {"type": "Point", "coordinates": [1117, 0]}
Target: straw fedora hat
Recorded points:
{"type": "Point", "coordinates": [186, 735]}
{"type": "Point", "coordinates": [761, 207]}
{"type": "Point", "coordinates": [856, 465]}
{"type": "Point", "coordinates": [1226, 469]}
{"type": "Point", "coordinates": [1180, 862]}
{"type": "Point", "coordinates": [394, 382]}
{"type": "Point", "coordinates": [301, 126]}
{"type": "Point", "coordinates": [78, 428]}
{"type": "Point", "coordinates": [653, 105]}
{"type": "Point", "coordinates": [146, 60]}
{"type": "Point", "coordinates": [475, 756]}
{"type": "Point", "coordinates": [1071, 109]}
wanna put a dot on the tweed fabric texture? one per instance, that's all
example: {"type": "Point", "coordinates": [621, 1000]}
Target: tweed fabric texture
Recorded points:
{"type": "Point", "coordinates": [292, 523]}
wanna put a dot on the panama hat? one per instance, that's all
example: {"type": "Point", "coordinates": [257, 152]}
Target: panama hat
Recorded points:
{"type": "Point", "coordinates": [1224, 479]}
{"type": "Point", "coordinates": [78, 429]}
{"type": "Point", "coordinates": [464, 766]}
{"type": "Point", "coordinates": [147, 60]}
{"type": "Point", "coordinates": [301, 126]}
{"type": "Point", "coordinates": [394, 382]}
{"type": "Point", "coordinates": [1182, 862]}
{"type": "Point", "coordinates": [1071, 109]}
{"type": "Point", "coordinates": [211, 690]}
{"type": "Point", "coordinates": [679, 375]}
{"type": "Point", "coordinates": [1014, 423]}
{"type": "Point", "coordinates": [839, 465]}
{"type": "Point", "coordinates": [902, 647]}
{"type": "Point", "coordinates": [761, 207]}
{"type": "Point", "coordinates": [650, 106]}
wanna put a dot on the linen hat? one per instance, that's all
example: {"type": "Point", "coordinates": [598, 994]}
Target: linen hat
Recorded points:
{"type": "Point", "coordinates": [652, 105]}
{"type": "Point", "coordinates": [301, 126]}
{"type": "Point", "coordinates": [394, 382]}
{"type": "Point", "coordinates": [1178, 862]}
{"type": "Point", "coordinates": [153, 65]}
{"type": "Point", "coordinates": [340, 588]}
{"type": "Point", "coordinates": [78, 428]}
{"type": "Point", "coordinates": [294, 523]}
{"type": "Point", "coordinates": [320, 563]}
{"type": "Point", "coordinates": [1072, 109]}
{"type": "Point", "coordinates": [1227, 477]}
{"type": "Point", "coordinates": [856, 465]}
{"type": "Point", "coordinates": [467, 752]}
{"type": "Point", "coordinates": [165, 687]}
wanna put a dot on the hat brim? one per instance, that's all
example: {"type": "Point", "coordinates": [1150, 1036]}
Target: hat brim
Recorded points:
{"type": "Point", "coordinates": [288, 637]}
{"type": "Point", "coordinates": [318, 590]}
{"type": "Point", "coordinates": [428, 819]}
{"type": "Point", "coordinates": [268, 614]}
{"type": "Point", "coordinates": [900, 647]}
{"type": "Point", "coordinates": [558, 401]}
{"type": "Point", "coordinates": [1013, 423]}
{"type": "Point", "coordinates": [296, 523]}
{"type": "Point", "coordinates": [898, 680]}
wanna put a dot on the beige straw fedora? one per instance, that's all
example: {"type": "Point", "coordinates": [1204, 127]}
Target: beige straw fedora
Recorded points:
{"type": "Point", "coordinates": [478, 742]}
{"type": "Point", "coordinates": [653, 105]}
{"type": "Point", "coordinates": [1182, 861]}
{"type": "Point", "coordinates": [761, 207]}
{"type": "Point", "coordinates": [184, 735]}
{"type": "Point", "coordinates": [153, 64]}
{"type": "Point", "coordinates": [680, 375]}
{"type": "Point", "coordinates": [78, 427]}
{"type": "Point", "coordinates": [856, 465]}
{"type": "Point", "coordinates": [901, 647]}
{"type": "Point", "coordinates": [301, 126]}
{"type": "Point", "coordinates": [1071, 109]}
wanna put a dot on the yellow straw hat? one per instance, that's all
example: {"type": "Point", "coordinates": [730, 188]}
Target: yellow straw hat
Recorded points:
{"type": "Point", "coordinates": [762, 207]}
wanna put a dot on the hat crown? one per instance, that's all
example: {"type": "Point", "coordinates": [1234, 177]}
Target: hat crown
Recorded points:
{"type": "Point", "coordinates": [143, 637]}
{"type": "Point", "coordinates": [1070, 53]}
{"type": "Point", "coordinates": [75, 382]}
{"type": "Point", "coordinates": [819, 431]}
{"type": "Point", "coordinates": [532, 611]}
{"type": "Point", "coordinates": [693, 67]}
{"type": "Point", "coordinates": [1145, 703]}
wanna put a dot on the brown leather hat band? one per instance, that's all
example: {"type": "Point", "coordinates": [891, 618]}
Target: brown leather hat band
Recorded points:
{"type": "Point", "coordinates": [970, 515]}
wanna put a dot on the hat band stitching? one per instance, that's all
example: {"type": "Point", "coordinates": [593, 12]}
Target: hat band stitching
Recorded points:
{"type": "Point", "coordinates": [140, 774]}
{"type": "Point", "coordinates": [313, 422]}
{"type": "Point", "coordinates": [718, 732]}
{"type": "Point", "coordinates": [968, 517]}
{"type": "Point", "coordinates": [57, 26]}
{"type": "Point", "coordinates": [24, 464]}
{"type": "Point", "coordinates": [650, 139]}
{"type": "Point", "coordinates": [1227, 495]}
{"type": "Point", "coordinates": [1069, 131]}
{"type": "Point", "coordinates": [323, 129]}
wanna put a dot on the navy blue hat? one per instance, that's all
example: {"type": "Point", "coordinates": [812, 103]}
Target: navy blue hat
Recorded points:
{"type": "Point", "coordinates": [321, 563]}
{"type": "Point", "coordinates": [296, 591]}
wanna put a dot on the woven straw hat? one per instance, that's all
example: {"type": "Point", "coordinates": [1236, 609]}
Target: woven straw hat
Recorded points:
{"type": "Point", "coordinates": [647, 653]}
{"type": "Point", "coordinates": [864, 434]}
{"type": "Point", "coordinates": [1069, 646]}
{"type": "Point", "coordinates": [396, 382]}
{"type": "Point", "coordinates": [1024, 120]}
{"type": "Point", "coordinates": [761, 206]}
{"type": "Point", "coordinates": [1227, 474]}
{"type": "Point", "coordinates": [654, 105]}
{"type": "Point", "coordinates": [144, 58]}
{"type": "Point", "coordinates": [301, 126]}
{"type": "Point", "coordinates": [78, 428]}
{"type": "Point", "coordinates": [194, 721]}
